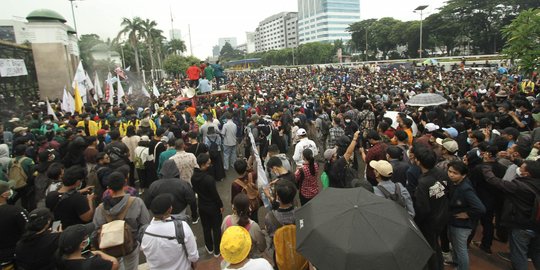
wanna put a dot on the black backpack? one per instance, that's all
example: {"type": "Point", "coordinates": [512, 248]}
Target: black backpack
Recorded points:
{"type": "Point", "coordinates": [396, 197]}
{"type": "Point", "coordinates": [179, 234]}
{"type": "Point", "coordinates": [214, 147]}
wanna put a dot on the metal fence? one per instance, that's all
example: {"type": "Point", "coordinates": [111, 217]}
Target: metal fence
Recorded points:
{"type": "Point", "coordinates": [19, 90]}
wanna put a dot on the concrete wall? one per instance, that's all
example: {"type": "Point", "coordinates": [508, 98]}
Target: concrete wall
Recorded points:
{"type": "Point", "coordinates": [54, 68]}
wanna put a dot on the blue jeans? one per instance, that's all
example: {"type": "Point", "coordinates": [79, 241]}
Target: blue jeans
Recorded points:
{"type": "Point", "coordinates": [229, 154]}
{"type": "Point", "coordinates": [523, 244]}
{"type": "Point", "coordinates": [458, 238]}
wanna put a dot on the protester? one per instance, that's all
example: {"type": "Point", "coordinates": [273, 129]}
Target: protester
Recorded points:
{"type": "Point", "coordinates": [210, 204]}
{"type": "Point", "coordinates": [235, 248]}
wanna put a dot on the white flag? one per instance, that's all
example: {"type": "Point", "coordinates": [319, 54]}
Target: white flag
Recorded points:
{"type": "Point", "coordinates": [111, 89]}
{"type": "Point", "coordinates": [80, 78]}
{"type": "Point", "coordinates": [154, 89]}
{"type": "Point", "coordinates": [68, 103]}
{"type": "Point", "coordinates": [97, 84]}
{"type": "Point", "coordinates": [145, 92]}
{"type": "Point", "coordinates": [262, 181]}
{"type": "Point", "coordinates": [130, 90]}
{"type": "Point", "coordinates": [89, 84]}
{"type": "Point", "coordinates": [50, 110]}
{"type": "Point", "coordinates": [120, 92]}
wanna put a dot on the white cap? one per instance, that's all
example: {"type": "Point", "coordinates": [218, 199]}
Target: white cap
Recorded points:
{"type": "Point", "coordinates": [301, 132]}
{"type": "Point", "coordinates": [430, 127]}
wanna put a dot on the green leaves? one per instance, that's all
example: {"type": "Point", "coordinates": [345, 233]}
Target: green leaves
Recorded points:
{"type": "Point", "coordinates": [523, 40]}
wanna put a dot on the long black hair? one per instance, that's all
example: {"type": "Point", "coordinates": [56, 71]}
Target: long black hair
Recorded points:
{"type": "Point", "coordinates": [241, 207]}
{"type": "Point", "coordinates": [308, 155]}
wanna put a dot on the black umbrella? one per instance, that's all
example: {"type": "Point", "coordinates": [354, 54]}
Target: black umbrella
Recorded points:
{"type": "Point", "coordinates": [355, 229]}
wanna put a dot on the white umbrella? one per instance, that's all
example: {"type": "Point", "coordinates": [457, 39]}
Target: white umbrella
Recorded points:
{"type": "Point", "coordinates": [393, 115]}
{"type": "Point", "coordinates": [426, 99]}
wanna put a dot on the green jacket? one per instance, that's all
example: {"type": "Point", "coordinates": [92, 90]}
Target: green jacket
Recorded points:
{"type": "Point", "coordinates": [209, 73]}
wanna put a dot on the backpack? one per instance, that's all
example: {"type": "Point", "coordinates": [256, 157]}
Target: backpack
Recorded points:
{"type": "Point", "coordinates": [213, 149]}
{"type": "Point", "coordinates": [139, 163]}
{"type": "Point", "coordinates": [17, 173]}
{"type": "Point", "coordinates": [326, 125]}
{"type": "Point", "coordinates": [287, 258]}
{"type": "Point", "coordinates": [115, 154]}
{"type": "Point", "coordinates": [251, 192]}
{"type": "Point", "coordinates": [178, 231]}
{"type": "Point", "coordinates": [396, 197]}
{"type": "Point", "coordinates": [115, 237]}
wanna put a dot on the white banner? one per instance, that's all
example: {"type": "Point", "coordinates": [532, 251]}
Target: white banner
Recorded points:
{"type": "Point", "coordinates": [12, 68]}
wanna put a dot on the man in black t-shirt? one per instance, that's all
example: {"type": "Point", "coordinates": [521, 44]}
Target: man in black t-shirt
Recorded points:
{"type": "Point", "coordinates": [69, 205]}
{"type": "Point", "coordinates": [117, 150]}
{"type": "Point", "coordinates": [12, 222]}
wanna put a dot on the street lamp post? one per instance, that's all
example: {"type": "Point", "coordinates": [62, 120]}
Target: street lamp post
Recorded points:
{"type": "Point", "coordinates": [421, 9]}
{"type": "Point", "coordinates": [74, 20]}
{"type": "Point", "coordinates": [366, 46]}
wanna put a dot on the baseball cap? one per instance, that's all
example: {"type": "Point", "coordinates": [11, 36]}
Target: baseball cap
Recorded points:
{"type": "Point", "coordinates": [145, 138]}
{"type": "Point", "coordinates": [448, 144]}
{"type": "Point", "coordinates": [72, 237]}
{"type": "Point", "coordinates": [383, 167]}
{"type": "Point", "coordinates": [301, 132]}
{"type": "Point", "coordinates": [235, 244]}
{"type": "Point", "coordinates": [19, 129]}
{"type": "Point", "coordinates": [430, 127]}
{"type": "Point", "coordinates": [329, 153]}
{"type": "Point", "coordinates": [451, 131]}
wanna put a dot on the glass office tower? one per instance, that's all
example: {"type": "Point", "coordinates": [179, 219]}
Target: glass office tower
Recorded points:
{"type": "Point", "coordinates": [326, 20]}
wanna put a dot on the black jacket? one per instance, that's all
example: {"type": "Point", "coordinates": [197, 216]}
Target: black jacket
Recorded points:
{"type": "Point", "coordinates": [431, 204]}
{"type": "Point", "coordinates": [519, 200]}
{"type": "Point", "coordinates": [180, 190]}
{"type": "Point", "coordinates": [464, 199]}
{"type": "Point", "coordinates": [205, 187]}
{"type": "Point", "coordinates": [399, 171]}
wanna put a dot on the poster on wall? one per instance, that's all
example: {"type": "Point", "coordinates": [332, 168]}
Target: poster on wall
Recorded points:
{"type": "Point", "coordinates": [12, 68]}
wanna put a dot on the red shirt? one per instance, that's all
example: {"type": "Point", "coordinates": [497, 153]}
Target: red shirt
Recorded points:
{"type": "Point", "coordinates": [309, 186]}
{"type": "Point", "coordinates": [193, 73]}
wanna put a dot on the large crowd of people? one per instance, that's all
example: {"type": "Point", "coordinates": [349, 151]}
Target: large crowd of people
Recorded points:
{"type": "Point", "coordinates": [92, 190]}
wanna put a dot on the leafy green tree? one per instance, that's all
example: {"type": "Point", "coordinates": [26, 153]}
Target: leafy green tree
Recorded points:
{"type": "Point", "coordinates": [385, 35]}
{"type": "Point", "coordinates": [523, 40]}
{"type": "Point", "coordinates": [315, 53]}
{"type": "Point", "coordinates": [132, 28]}
{"type": "Point", "coordinates": [359, 32]}
{"type": "Point", "coordinates": [176, 46]}
{"type": "Point", "coordinates": [177, 64]}
{"type": "Point", "coordinates": [150, 34]}
{"type": "Point", "coordinates": [86, 42]}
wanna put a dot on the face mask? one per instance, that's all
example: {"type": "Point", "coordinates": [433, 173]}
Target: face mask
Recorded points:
{"type": "Point", "coordinates": [518, 172]}
{"type": "Point", "coordinates": [469, 141]}
{"type": "Point", "coordinates": [47, 122]}
{"type": "Point", "coordinates": [80, 186]}
{"type": "Point", "coordinates": [348, 121]}
{"type": "Point", "coordinates": [478, 153]}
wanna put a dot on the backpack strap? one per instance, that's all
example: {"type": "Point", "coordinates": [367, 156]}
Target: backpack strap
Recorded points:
{"type": "Point", "coordinates": [398, 189]}
{"type": "Point", "coordinates": [155, 149]}
{"type": "Point", "coordinates": [384, 191]}
{"type": "Point", "coordinates": [121, 215]}
{"type": "Point", "coordinates": [241, 183]}
{"type": "Point", "coordinates": [275, 221]}
{"type": "Point", "coordinates": [180, 235]}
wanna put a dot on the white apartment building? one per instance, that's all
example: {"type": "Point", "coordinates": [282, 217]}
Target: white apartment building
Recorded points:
{"type": "Point", "coordinates": [326, 20]}
{"type": "Point", "coordinates": [276, 32]}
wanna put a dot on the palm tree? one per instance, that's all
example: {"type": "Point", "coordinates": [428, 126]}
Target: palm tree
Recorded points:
{"type": "Point", "coordinates": [149, 32]}
{"type": "Point", "coordinates": [176, 45]}
{"type": "Point", "coordinates": [133, 29]}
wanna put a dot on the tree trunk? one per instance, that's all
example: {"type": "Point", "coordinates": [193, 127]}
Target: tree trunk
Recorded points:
{"type": "Point", "coordinates": [136, 52]}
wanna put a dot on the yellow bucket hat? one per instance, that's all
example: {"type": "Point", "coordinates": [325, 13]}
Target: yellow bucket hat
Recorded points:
{"type": "Point", "coordinates": [235, 244]}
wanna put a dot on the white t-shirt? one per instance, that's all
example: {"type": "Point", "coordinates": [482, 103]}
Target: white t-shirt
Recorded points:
{"type": "Point", "coordinates": [254, 264]}
{"type": "Point", "coordinates": [167, 254]}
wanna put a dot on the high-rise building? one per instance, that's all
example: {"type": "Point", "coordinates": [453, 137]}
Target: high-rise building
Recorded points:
{"type": "Point", "coordinates": [230, 40]}
{"type": "Point", "coordinates": [250, 42]}
{"type": "Point", "coordinates": [326, 20]}
{"type": "Point", "coordinates": [175, 34]}
{"type": "Point", "coordinates": [216, 50]}
{"type": "Point", "coordinates": [276, 32]}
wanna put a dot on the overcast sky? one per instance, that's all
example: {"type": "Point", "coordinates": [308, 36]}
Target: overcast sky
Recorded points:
{"type": "Point", "coordinates": [209, 19]}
